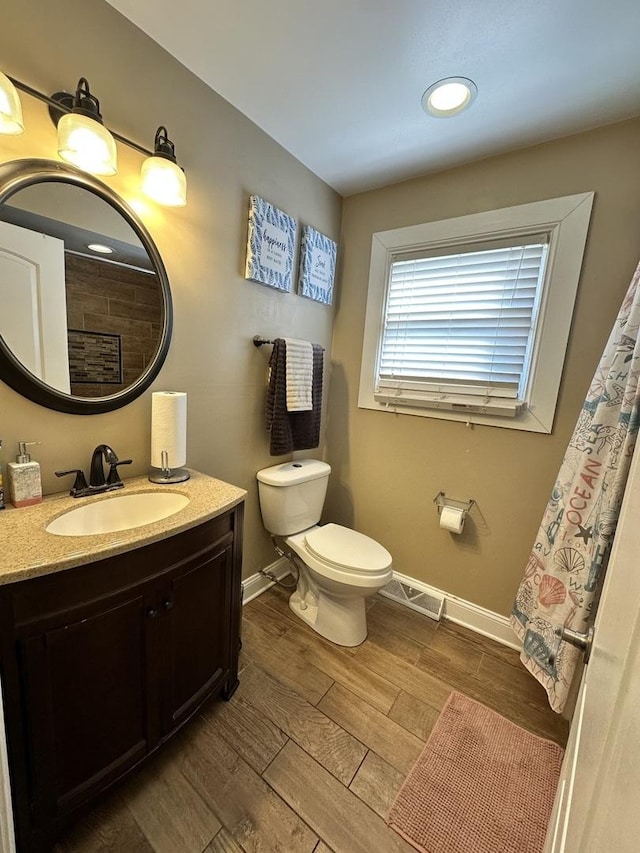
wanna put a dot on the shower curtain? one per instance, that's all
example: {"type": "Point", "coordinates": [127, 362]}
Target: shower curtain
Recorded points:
{"type": "Point", "coordinates": [572, 546]}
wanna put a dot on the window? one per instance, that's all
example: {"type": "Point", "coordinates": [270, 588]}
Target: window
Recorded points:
{"type": "Point", "coordinates": [460, 327]}
{"type": "Point", "coordinates": [468, 318]}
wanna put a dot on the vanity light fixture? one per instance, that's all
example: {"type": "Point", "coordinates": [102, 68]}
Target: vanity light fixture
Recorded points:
{"type": "Point", "coordinates": [449, 96]}
{"type": "Point", "coordinates": [162, 179]}
{"type": "Point", "coordinates": [83, 140]}
{"type": "Point", "coordinates": [10, 108]}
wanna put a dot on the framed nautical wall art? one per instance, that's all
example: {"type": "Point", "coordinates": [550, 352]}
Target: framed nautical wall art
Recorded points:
{"type": "Point", "coordinates": [270, 245]}
{"type": "Point", "coordinates": [317, 266]}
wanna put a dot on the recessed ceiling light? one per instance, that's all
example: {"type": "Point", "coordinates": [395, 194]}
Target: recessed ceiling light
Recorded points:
{"type": "Point", "coordinates": [100, 247]}
{"type": "Point", "coordinates": [449, 97]}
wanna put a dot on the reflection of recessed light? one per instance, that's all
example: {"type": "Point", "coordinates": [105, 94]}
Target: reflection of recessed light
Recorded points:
{"type": "Point", "coordinates": [449, 97]}
{"type": "Point", "coordinates": [100, 247]}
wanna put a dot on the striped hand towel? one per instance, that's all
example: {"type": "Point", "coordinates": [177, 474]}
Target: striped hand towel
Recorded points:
{"type": "Point", "coordinates": [292, 430]}
{"type": "Point", "coordinates": [299, 375]}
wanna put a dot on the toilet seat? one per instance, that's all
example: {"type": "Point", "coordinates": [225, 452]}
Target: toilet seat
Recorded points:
{"type": "Point", "coordinates": [347, 549]}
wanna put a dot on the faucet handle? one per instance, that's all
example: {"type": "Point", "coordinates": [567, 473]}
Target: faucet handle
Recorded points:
{"type": "Point", "coordinates": [113, 478]}
{"type": "Point", "coordinates": [80, 482]}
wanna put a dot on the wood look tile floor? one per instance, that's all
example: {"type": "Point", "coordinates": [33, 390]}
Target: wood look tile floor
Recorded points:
{"type": "Point", "coordinates": [312, 749]}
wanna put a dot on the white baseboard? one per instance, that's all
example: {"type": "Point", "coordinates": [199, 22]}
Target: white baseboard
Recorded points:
{"type": "Point", "coordinates": [457, 610]}
{"type": "Point", "coordinates": [255, 585]}
{"type": "Point", "coordinates": [470, 615]}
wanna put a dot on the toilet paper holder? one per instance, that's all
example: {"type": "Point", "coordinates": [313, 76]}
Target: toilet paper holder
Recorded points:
{"type": "Point", "coordinates": [441, 500]}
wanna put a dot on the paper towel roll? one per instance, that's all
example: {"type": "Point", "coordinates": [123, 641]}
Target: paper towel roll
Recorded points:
{"type": "Point", "coordinates": [169, 428]}
{"type": "Point", "coordinates": [452, 519]}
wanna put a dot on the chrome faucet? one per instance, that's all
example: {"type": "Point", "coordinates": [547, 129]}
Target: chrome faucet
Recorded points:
{"type": "Point", "coordinates": [97, 481]}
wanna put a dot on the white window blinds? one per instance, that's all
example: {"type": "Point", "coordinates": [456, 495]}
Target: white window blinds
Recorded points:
{"type": "Point", "coordinates": [459, 327]}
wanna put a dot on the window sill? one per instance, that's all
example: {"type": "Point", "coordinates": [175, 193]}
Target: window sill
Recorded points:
{"type": "Point", "coordinates": [464, 405]}
{"type": "Point", "coordinates": [525, 419]}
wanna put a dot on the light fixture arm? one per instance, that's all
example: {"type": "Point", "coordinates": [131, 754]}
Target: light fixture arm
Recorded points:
{"type": "Point", "coordinates": [85, 103]}
{"type": "Point", "coordinates": [164, 147]}
{"type": "Point", "coordinates": [68, 105]}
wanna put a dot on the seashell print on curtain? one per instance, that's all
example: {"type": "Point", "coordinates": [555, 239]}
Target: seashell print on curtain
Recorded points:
{"type": "Point", "coordinates": [571, 549]}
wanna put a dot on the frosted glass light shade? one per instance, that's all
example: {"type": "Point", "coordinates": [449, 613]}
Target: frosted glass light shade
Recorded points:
{"type": "Point", "coordinates": [10, 108]}
{"type": "Point", "coordinates": [87, 144]}
{"type": "Point", "coordinates": [164, 181]}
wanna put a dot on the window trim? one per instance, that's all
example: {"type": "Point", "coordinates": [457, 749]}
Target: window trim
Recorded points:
{"type": "Point", "coordinates": [566, 219]}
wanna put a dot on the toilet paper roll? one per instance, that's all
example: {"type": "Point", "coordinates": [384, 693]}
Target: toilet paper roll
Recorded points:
{"type": "Point", "coordinates": [452, 519]}
{"type": "Point", "coordinates": [169, 428]}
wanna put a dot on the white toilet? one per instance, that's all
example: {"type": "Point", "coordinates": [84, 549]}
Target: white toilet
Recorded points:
{"type": "Point", "coordinates": [338, 568]}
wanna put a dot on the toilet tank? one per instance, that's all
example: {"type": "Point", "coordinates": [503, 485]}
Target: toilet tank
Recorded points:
{"type": "Point", "coordinates": [292, 495]}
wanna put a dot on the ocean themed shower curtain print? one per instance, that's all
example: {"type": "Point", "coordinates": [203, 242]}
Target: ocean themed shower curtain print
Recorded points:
{"type": "Point", "coordinates": [573, 543]}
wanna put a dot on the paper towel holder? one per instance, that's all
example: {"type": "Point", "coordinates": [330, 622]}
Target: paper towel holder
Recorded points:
{"type": "Point", "coordinates": [441, 500]}
{"type": "Point", "coordinates": [166, 475]}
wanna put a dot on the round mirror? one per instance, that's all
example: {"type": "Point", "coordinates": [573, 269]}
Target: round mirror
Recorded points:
{"type": "Point", "coordinates": [85, 304]}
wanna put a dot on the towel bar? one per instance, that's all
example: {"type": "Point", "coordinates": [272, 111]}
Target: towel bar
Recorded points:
{"type": "Point", "coordinates": [259, 341]}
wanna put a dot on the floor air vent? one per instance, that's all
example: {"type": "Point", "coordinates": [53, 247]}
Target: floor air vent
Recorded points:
{"type": "Point", "coordinates": [430, 605]}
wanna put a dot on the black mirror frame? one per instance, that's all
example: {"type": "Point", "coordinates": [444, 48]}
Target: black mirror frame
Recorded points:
{"type": "Point", "coordinates": [19, 174]}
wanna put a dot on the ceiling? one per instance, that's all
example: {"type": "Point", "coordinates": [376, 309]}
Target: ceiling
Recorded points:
{"type": "Point", "coordinates": [338, 83]}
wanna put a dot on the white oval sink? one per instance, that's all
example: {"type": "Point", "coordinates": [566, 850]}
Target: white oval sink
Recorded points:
{"type": "Point", "coordinates": [120, 512]}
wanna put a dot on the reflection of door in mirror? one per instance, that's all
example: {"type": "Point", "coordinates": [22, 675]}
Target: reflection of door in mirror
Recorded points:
{"type": "Point", "coordinates": [114, 305]}
{"type": "Point", "coordinates": [33, 295]}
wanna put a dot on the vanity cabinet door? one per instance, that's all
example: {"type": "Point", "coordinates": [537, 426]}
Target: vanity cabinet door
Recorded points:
{"type": "Point", "coordinates": [195, 607]}
{"type": "Point", "coordinates": [102, 663]}
{"type": "Point", "coordinates": [87, 694]}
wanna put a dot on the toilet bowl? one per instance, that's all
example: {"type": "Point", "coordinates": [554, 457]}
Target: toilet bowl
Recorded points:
{"type": "Point", "coordinates": [337, 567]}
{"type": "Point", "coordinates": [340, 568]}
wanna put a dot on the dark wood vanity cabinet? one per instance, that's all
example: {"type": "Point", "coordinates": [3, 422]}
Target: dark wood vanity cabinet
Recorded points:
{"type": "Point", "coordinates": [103, 663]}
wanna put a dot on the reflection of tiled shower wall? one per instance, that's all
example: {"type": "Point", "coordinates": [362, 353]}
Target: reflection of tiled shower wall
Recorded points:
{"type": "Point", "coordinates": [104, 297]}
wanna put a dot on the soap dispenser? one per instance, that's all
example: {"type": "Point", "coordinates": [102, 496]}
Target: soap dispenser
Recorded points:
{"type": "Point", "coordinates": [25, 483]}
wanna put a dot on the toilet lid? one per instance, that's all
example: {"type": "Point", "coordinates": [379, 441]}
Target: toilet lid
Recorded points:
{"type": "Point", "coordinates": [346, 548]}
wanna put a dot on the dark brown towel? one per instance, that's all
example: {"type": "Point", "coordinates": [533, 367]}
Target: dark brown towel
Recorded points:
{"type": "Point", "coordinates": [292, 430]}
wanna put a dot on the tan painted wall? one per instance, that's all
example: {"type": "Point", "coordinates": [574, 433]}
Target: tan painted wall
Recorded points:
{"type": "Point", "coordinates": [49, 46]}
{"type": "Point", "coordinates": [387, 467]}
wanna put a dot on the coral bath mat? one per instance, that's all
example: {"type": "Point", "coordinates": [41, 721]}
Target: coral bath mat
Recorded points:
{"type": "Point", "coordinates": [481, 785]}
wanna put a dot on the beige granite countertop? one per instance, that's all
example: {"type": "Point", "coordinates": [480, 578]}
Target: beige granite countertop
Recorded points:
{"type": "Point", "coordinates": [28, 551]}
